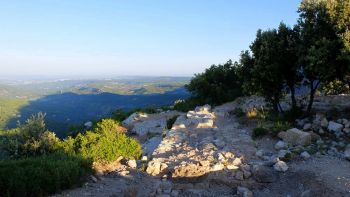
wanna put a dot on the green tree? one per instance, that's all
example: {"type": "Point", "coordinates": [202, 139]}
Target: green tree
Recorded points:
{"type": "Point", "coordinates": [321, 48]}
{"type": "Point", "coordinates": [218, 84]}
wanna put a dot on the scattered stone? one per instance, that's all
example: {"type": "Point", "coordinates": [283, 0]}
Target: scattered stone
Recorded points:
{"type": "Point", "coordinates": [283, 153]}
{"type": "Point", "coordinates": [324, 123]}
{"type": "Point", "coordinates": [280, 166]}
{"type": "Point", "coordinates": [88, 124]}
{"type": "Point", "coordinates": [259, 153]}
{"type": "Point", "coordinates": [132, 164]}
{"type": "Point", "coordinates": [93, 178]}
{"type": "Point", "coordinates": [174, 193]}
{"type": "Point", "coordinates": [155, 167]}
{"type": "Point", "coordinates": [307, 126]}
{"type": "Point", "coordinates": [144, 158]}
{"type": "Point", "coordinates": [346, 130]}
{"type": "Point", "coordinates": [280, 145]}
{"type": "Point", "coordinates": [239, 175]}
{"type": "Point", "coordinates": [305, 155]}
{"type": "Point", "coordinates": [296, 137]}
{"type": "Point", "coordinates": [264, 174]}
{"type": "Point", "coordinates": [244, 192]}
{"type": "Point", "coordinates": [336, 127]}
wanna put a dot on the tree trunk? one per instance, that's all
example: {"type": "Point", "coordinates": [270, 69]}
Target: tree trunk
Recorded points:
{"type": "Point", "coordinates": [312, 96]}
{"type": "Point", "coordinates": [292, 95]}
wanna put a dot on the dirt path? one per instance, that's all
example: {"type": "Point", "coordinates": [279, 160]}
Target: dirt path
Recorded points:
{"type": "Point", "coordinates": [208, 153]}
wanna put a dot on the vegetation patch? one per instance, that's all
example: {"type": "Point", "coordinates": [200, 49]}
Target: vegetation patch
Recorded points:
{"type": "Point", "coordinates": [42, 175]}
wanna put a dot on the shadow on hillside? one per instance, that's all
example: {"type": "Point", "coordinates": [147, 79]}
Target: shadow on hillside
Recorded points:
{"type": "Point", "coordinates": [64, 110]}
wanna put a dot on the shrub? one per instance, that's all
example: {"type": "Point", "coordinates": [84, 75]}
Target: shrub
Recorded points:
{"type": "Point", "coordinates": [102, 144]}
{"type": "Point", "coordinates": [185, 105]}
{"type": "Point", "coordinates": [42, 175]}
{"type": "Point", "coordinates": [218, 84]}
{"type": "Point", "coordinates": [171, 121]}
{"type": "Point", "coordinates": [279, 126]}
{"type": "Point", "coordinates": [259, 131]}
{"type": "Point", "coordinates": [29, 139]}
{"type": "Point", "coordinates": [109, 125]}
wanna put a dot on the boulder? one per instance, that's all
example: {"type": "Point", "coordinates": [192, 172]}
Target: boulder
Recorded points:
{"type": "Point", "coordinates": [305, 155]}
{"type": "Point", "coordinates": [335, 127]}
{"type": "Point", "coordinates": [264, 174]}
{"type": "Point", "coordinates": [324, 123]}
{"type": "Point", "coordinates": [133, 118]}
{"type": "Point", "coordinates": [307, 126]}
{"type": "Point", "coordinates": [280, 145]}
{"type": "Point", "coordinates": [280, 166]}
{"type": "Point", "coordinates": [244, 192]}
{"type": "Point", "coordinates": [151, 126]}
{"type": "Point", "coordinates": [132, 163]}
{"type": "Point", "coordinates": [296, 137]}
{"type": "Point", "coordinates": [155, 167]}
{"type": "Point", "coordinates": [150, 145]}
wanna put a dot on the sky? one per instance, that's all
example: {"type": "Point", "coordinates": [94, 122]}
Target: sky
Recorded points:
{"type": "Point", "coordinates": [130, 37]}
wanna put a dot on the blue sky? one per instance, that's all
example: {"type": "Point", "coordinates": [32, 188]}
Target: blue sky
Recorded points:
{"type": "Point", "coordinates": [134, 37]}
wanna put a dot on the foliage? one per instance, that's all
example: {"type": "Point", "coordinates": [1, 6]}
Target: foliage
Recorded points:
{"type": "Point", "coordinates": [29, 139]}
{"type": "Point", "coordinates": [109, 125]}
{"type": "Point", "coordinates": [335, 87]}
{"type": "Point", "coordinates": [279, 126]}
{"type": "Point", "coordinates": [185, 105]}
{"type": "Point", "coordinates": [321, 49]}
{"type": "Point", "coordinates": [105, 143]}
{"type": "Point", "coordinates": [9, 108]}
{"type": "Point", "coordinates": [272, 64]}
{"type": "Point", "coordinates": [42, 175]}
{"type": "Point", "coordinates": [170, 122]}
{"type": "Point", "coordinates": [218, 84]}
{"type": "Point", "coordinates": [259, 132]}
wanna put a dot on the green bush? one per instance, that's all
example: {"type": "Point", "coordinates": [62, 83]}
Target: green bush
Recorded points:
{"type": "Point", "coordinates": [171, 121]}
{"type": "Point", "coordinates": [185, 105]}
{"type": "Point", "coordinates": [259, 132]}
{"type": "Point", "coordinates": [29, 139]}
{"type": "Point", "coordinates": [42, 175]}
{"type": "Point", "coordinates": [279, 126]}
{"type": "Point", "coordinates": [105, 143]}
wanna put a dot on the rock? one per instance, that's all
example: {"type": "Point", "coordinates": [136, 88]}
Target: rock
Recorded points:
{"type": "Point", "coordinates": [93, 178]}
{"type": "Point", "coordinates": [144, 158]}
{"type": "Point", "coordinates": [132, 164]}
{"type": "Point", "coordinates": [88, 124]}
{"type": "Point", "coordinates": [155, 167]}
{"type": "Point", "coordinates": [321, 131]}
{"type": "Point", "coordinates": [205, 109]}
{"type": "Point", "coordinates": [259, 153]}
{"type": "Point", "coordinates": [133, 118]}
{"type": "Point", "coordinates": [324, 123]}
{"type": "Point", "coordinates": [217, 167]}
{"type": "Point", "coordinates": [296, 137]}
{"type": "Point", "coordinates": [283, 153]}
{"type": "Point", "coordinates": [305, 155]}
{"type": "Point", "coordinates": [239, 175]}
{"type": "Point", "coordinates": [174, 193]}
{"type": "Point", "coordinates": [336, 127]}
{"type": "Point", "coordinates": [347, 152]}
{"type": "Point", "coordinates": [307, 126]}
{"type": "Point", "coordinates": [280, 166]}
{"type": "Point", "coordinates": [150, 145]}
{"type": "Point", "coordinates": [150, 126]}
{"type": "Point", "coordinates": [280, 145]}
{"type": "Point", "coordinates": [244, 192]}
{"type": "Point", "coordinates": [346, 130]}
{"type": "Point", "coordinates": [264, 174]}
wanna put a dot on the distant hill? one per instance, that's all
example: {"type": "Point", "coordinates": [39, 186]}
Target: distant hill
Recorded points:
{"type": "Point", "coordinates": [68, 103]}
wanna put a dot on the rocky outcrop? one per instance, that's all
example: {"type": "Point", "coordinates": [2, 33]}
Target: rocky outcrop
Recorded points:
{"type": "Point", "coordinates": [295, 136]}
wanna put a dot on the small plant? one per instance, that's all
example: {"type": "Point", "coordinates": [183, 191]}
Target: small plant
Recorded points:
{"type": "Point", "coordinates": [279, 126]}
{"type": "Point", "coordinates": [259, 132]}
{"type": "Point", "coordinates": [170, 122]}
